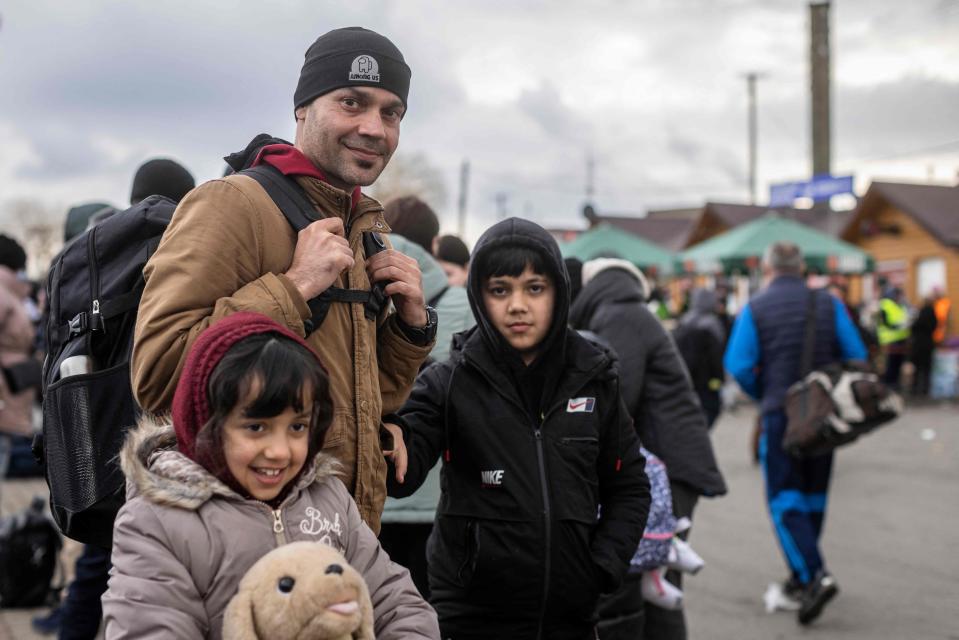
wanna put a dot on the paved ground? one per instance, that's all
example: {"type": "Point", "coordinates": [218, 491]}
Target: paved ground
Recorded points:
{"type": "Point", "coordinates": [892, 540]}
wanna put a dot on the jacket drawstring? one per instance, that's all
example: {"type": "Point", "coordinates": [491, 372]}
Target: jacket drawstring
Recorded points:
{"type": "Point", "coordinates": [619, 432]}
{"type": "Point", "coordinates": [447, 453]}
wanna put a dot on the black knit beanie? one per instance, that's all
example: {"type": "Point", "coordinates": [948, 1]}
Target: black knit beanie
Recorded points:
{"type": "Point", "coordinates": [12, 254]}
{"type": "Point", "coordinates": [352, 56]}
{"type": "Point", "coordinates": [79, 217]}
{"type": "Point", "coordinates": [161, 176]}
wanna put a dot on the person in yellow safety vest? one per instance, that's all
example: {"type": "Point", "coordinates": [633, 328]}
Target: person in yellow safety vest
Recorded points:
{"type": "Point", "coordinates": [941, 307]}
{"type": "Point", "coordinates": [893, 334]}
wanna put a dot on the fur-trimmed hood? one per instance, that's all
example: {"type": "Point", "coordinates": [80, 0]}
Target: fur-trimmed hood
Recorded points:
{"type": "Point", "coordinates": [156, 470]}
{"type": "Point", "coordinates": [594, 267]}
{"type": "Point", "coordinates": [183, 541]}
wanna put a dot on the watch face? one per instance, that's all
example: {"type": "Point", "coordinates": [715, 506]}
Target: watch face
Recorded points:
{"type": "Point", "coordinates": [431, 320]}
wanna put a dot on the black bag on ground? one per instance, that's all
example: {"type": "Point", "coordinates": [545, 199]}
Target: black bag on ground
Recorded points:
{"type": "Point", "coordinates": [834, 405]}
{"type": "Point", "coordinates": [22, 375]}
{"type": "Point", "coordinates": [94, 289]}
{"type": "Point", "coordinates": [29, 550]}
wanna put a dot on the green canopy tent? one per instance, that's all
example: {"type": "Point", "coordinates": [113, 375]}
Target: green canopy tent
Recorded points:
{"type": "Point", "coordinates": [741, 249]}
{"type": "Point", "coordinates": [605, 241]}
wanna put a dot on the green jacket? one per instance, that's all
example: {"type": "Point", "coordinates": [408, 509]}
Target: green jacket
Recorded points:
{"type": "Point", "coordinates": [454, 315]}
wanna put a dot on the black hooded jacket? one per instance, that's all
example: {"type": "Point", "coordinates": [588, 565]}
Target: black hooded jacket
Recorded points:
{"type": "Point", "coordinates": [655, 385]}
{"type": "Point", "coordinates": [517, 550]}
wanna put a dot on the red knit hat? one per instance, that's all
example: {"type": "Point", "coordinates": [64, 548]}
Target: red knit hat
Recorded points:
{"type": "Point", "coordinates": [190, 407]}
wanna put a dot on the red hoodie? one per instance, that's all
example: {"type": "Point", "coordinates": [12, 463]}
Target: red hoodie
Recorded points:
{"type": "Point", "coordinates": [291, 162]}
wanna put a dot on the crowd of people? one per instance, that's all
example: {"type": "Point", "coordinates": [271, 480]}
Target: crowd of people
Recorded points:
{"type": "Point", "coordinates": [472, 447]}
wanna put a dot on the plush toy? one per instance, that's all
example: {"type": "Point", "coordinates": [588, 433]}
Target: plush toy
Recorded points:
{"type": "Point", "coordinates": [300, 590]}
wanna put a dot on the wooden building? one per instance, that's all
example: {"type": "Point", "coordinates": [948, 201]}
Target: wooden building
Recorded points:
{"type": "Point", "coordinates": [912, 231]}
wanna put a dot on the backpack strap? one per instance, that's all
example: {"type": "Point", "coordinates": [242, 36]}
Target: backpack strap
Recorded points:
{"type": "Point", "coordinates": [809, 337]}
{"type": "Point", "coordinates": [373, 244]}
{"type": "Point", "coordinates": [432, 302]}
{"type": "Point", "coordinates": [286, 194]}
{"type": "Point", "coordinates": [300, 213]}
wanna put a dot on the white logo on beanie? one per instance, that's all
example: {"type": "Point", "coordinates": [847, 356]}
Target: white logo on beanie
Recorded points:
{"type": "Point", "coordinates": [365, 68]}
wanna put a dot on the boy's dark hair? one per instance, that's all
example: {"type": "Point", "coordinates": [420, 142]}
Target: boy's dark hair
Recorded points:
{"type": "Point", "coordinates": [510, 260]}
{"type": "Point", "coordinates": [284, 370]}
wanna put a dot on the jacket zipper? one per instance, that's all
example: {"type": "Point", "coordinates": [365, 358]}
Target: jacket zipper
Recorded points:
{"type": "Point", "coordinates": [96, 322]}
{"type": "Point", "coordinates": [278, 528]}
{"type": "Point", "coordinates": [540, 458]}
{"type": "Point", "coordinates": [547, 512]}
{"type": "Point", "coordinates": [279, 532]}
{"type": "Point", "coordinates": [547, 517]}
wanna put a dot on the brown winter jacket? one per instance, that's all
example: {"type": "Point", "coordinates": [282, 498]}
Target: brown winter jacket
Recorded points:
{"type": "Point", "coordinates": [183, 541]}
{"type": "Point", "coordinates": [16, 343]}
{"type": "Point", "coordinates": [225, 251]}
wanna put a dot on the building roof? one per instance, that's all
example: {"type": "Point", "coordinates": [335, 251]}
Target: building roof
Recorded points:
{"type": "Point", "coordinates": [564, 234]}
{"type": "Point", "coordinates": [606, 241]}
{"type": "Point", "coordinates": [827, 221]}
{"type": "Point", "coordinates": [689, 212]}
{"type": "Point", "coordinates": [741, 249]}
{"type": "Point", "coordinates": [674, 228]}
{"type": "Point", "coordinates": [670, 233]}
{"type": "Point", "coordinates": [935, 207]}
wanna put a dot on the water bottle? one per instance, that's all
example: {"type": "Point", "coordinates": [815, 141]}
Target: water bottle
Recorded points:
{"type": "Point", "coordinates": [75, 366]}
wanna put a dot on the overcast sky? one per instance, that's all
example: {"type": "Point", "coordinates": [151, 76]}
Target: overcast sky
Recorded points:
{"type": "Point", "coordinates": [527, 91]}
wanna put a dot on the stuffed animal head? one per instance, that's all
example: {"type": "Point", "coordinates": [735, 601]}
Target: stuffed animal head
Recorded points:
{"type": "Point", "coordinates": [300, 590]}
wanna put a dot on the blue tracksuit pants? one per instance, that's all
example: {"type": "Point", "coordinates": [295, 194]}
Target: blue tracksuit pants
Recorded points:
{"type": "Point", "coordinates": [796, 490]}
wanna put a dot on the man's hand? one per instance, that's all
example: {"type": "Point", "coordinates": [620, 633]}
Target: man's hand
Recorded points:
{"type": "Point", "coordinates": [398, 454]}
{"type": "Point", "coordinates": [405, 284]}
{"type": "Point", "coordinates": [322, 253]}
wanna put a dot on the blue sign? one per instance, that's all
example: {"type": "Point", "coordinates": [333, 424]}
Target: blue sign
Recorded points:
{"type": "Point", "coordinates": [819, 189]}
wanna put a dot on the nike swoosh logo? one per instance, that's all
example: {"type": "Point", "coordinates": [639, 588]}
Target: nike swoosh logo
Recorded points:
{"type": "Point", "coordinates": [577, 405]}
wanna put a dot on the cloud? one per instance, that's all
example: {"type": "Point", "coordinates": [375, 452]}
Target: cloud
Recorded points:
{"type": "Point", "coordinates": [897, 117]}
{"type": "Point", "coordinates": [544, 105]}
{"type": "Point", "coordinates": [654, 91]}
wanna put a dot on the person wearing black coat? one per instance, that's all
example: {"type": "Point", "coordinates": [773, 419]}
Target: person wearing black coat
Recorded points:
{"type": "Point", "coordinates": [701, 339]}
{"type": "Point", "coordinates": [659, 396]}
{"type": "Point", "coordinates": [544, 495]}
{"type": "Point", "coordinates": [923, 345]}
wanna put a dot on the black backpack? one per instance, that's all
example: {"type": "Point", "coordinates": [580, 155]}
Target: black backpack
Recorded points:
{"type": "Point", "coordinates": [29, 551]}
{"type": "Point", "coordinates": [94, 288]}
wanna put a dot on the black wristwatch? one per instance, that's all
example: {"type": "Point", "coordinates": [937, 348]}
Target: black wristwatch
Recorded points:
{"type": "Point", "coordinates": [420, 336]}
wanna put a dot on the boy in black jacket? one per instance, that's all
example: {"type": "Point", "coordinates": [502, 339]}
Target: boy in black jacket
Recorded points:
{"type": "Point", "coordinates": [544, 494]}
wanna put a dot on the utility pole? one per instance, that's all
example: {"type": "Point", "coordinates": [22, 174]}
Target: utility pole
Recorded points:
{"type": "Point", "coordinates": [590, 177]}
{"type": "Point", "coordinates": [501, 198]}
{"type": "Point", "coordinates": [753, 125]}
{"type": "Point", "coordinates": [464, 190]}
{"type": "Point", "coordinates": [820, 80]}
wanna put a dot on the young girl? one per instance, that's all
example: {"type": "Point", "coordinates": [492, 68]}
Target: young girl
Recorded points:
{"type": "Point", "coordinates": [238, 473]}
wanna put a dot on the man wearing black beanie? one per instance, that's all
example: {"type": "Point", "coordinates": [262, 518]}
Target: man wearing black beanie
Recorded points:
{"type": "Point", "coordinates": [229, 248]}
{"type": "Point", "coordinates": [161, 176]}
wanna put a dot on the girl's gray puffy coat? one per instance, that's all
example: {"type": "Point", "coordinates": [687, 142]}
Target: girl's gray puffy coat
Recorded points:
{"type": "Point", "coordinates": [183, 541]}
